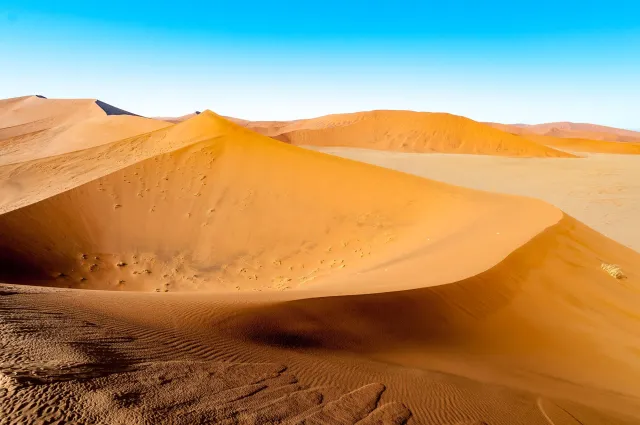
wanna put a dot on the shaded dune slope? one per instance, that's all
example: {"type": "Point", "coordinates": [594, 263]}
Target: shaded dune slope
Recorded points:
{"type": "Point", "coordinates": [248, 212]}
{"type": "Point", "coordinates": [411, 132]}
{"type": "Point", "coordinates": [547, 319]}
{"type": "Point", "coordinates": [112, 110]}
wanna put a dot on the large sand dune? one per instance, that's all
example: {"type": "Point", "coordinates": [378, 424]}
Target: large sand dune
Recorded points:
{"type": "Point", "coordinates": [409, 131]}
{"type": "Point", "coordinates": [76, 136]}
{"type": "Point", "coordinates": [36, 127]}
{"type": "Point", "coordinates": [258, 282]}
{"type": "Point", "coordinates": [30, 114]}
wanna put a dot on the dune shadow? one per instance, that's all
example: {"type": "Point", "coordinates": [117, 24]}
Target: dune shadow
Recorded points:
{"type": "Point", "coordinates": [112, 110]}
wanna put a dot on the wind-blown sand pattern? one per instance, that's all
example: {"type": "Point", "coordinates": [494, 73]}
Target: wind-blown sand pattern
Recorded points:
{"type": "Point", "coordinates": [251, 281]}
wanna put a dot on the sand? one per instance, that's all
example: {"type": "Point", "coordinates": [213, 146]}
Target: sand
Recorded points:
{"type": "Point", "coordinates": [587, 145]}
{"type": "Point", "coordinates": [573, 131]}
{"type": "Point", "coordinates": [408, 131]}
{"type": "Point", "coordinates": [252, 281]}
{"type": "Point", "coordinates": [601, 190]}
{"type": "Point", "coordinates": [420, 132]}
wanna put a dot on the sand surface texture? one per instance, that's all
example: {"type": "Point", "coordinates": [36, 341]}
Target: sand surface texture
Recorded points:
{"type": "Point", "coordinates": [204, 273]}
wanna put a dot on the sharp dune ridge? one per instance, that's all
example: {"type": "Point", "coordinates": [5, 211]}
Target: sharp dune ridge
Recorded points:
{"type": "Point", "coordinates": [205, 273]}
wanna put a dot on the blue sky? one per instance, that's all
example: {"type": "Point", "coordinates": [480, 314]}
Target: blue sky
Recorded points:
{"type": "Point", "coordinates": [506, 61]}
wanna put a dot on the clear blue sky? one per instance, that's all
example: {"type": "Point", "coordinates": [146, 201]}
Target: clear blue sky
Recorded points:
{"type": "Point", "coordinates": [506, 61]}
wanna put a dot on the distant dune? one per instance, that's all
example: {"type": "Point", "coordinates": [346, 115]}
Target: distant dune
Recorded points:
{"type": "Point", "coordinates": [251, 281]}
{"type": "Point", "coordinates": [410, 132]}
{"type": "Point", "coordinates": [75, 136]}
{"type": "Point", "coordinates": [31, 114]}
{"type": "Point", "coordinates": [572, 130]}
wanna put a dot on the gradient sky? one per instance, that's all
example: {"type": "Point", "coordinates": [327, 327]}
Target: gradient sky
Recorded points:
{"type": "Point", "coordinates": [506, 61]}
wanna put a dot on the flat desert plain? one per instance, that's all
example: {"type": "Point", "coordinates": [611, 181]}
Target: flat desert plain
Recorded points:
{"type": "Point", "coordinates": [208, 270]}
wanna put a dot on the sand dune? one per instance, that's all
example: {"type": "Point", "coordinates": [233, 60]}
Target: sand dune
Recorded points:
{"type": "Point", "coordinates": [486, 333]}
{"type": "Point", "coordinates": [79, 135]}
{"type": "Point", "coordinates": [403, 131]}
{"type": "Point", "coordinates": [32, 114]}
{"type": "Point", "coordinates": [409, 131]}
{"type": "Point", "coordinates": [253, 281]}
{"type": "Point", "coordinates": [211, 188]}
{"type": "Point", "coordinates": [30, 181]}
{"type": "Point", "coordinates": [587, 145]}
{"type": "Point", "coordinates": [267, 128]}
{"type": "Point", "coordinates": [572, 130]}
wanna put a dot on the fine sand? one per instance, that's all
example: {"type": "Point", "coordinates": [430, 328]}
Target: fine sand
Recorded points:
{"type": "Point", "coordinates": [251, 281]}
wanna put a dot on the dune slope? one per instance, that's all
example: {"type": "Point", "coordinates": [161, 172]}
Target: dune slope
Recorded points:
{"type": "Point", "coordinates": [32, 114]}
{"type": "Point", "coordinates": [76, 136]}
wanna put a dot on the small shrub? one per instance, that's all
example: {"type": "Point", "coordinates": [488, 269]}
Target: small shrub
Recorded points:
{"type": "Point", "coordinates": [613, 270]}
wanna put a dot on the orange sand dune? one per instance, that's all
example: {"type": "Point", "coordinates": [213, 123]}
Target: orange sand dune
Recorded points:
{"type": "Point", "coordinates": [327, 291]}
{"type": "Point", "coordinates": [410, 132]}
{"type": "Point", "coordinates": [211, 188]}
{"type": "Point", "coordinates": [546, 319]}
{"type": "Point", "coordinates": [267, 128]}
{"type": "Point", "coordinates": [573, 131]}
{"type": "Point", "coordinates": [31, 181]}
{"type": "Point", "coordinates": [33, 113]}
{"type": "Point", "coordinates": [587, 145]}
{"type": "Point", "coordinates": [78, 135]}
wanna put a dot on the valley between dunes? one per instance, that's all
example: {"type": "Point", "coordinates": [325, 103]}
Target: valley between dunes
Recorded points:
{"type": "Point", "coordinates": [201, 272]}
